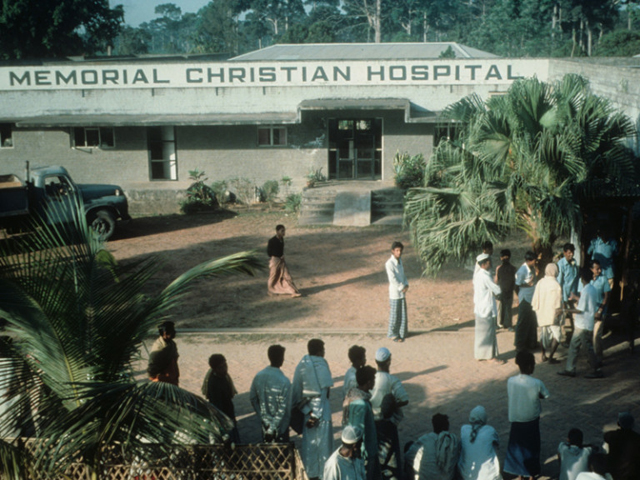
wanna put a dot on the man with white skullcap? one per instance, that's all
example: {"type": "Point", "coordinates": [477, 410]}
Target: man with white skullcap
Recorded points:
{"type": "Point", "coordinates": [485, 310]}
{"type": "Point", "coordinates": [387, 426]}
{"type": "Point", "coordinates": [345, 463]}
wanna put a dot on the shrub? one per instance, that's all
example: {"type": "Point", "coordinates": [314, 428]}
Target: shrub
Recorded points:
{"type": "Point", "coordinates": [244, 189]}
{"type": "Point", "coordinates": [409, 171]}
{"type": "Point", "coordinates": [293, 203]}
{"type": "Point", "coordinates": [269, 191]}
{"type": "Point", "coordinates": [220, 188]}
{"type": "Point", "coordinates": [199, 197]}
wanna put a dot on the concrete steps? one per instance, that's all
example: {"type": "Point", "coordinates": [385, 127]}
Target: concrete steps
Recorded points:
{"type": "Point", "coordinates": [387, 206]}
{"type": "Point", "coordinates": [351, 204]}
{"type": "Point", "coordinates": [317, 206]}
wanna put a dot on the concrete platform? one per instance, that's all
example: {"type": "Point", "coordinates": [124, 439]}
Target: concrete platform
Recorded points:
{"type": "Point", "coordinates": [352, 209]}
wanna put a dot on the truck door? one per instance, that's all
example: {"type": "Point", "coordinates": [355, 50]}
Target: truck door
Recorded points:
{"type": "Point", "coordinates": [59, 198]}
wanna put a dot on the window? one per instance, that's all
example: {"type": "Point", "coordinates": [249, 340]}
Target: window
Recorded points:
{"type": "Point", "coordinates": [445, 131]}
{"type": "Point", "coordinates": [163, 161]}
{"type": "Point", "coordinates": [6, 135]}
{"type": "Point", "coordinates": [272, 136]}
{"type": "Point", "coordinates": [94, 137]}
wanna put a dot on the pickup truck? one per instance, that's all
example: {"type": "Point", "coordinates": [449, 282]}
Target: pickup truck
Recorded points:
{"type": "Point", "coordinates": [103, 204]}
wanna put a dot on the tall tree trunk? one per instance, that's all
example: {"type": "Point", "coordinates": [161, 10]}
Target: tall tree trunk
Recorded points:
{"type": "Point", "coordinates": [589, 38]}
{"type": "Point", "coordinates": [378, 21]}
{"type": "Point", "coordinates": [424, 27]}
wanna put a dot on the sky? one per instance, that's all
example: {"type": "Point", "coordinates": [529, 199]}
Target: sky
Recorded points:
{"type": "Point", "coordinates": [138, 11]}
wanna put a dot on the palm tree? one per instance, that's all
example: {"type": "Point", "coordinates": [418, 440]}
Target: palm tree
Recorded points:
{"type": "Point", "coordinates": [525, 160]}
{"type": "Point", "coordinates": [77, 323]}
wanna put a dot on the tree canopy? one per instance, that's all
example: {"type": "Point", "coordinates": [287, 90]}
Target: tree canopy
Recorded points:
{"type": "Point", "coordinates": [56, 28]}
{"type": "Point", "coordinates": [511, 28]}
{"type": "Point", "coordinates": [525, 160]}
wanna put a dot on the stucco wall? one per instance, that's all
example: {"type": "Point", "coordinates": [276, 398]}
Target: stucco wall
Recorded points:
{"type": "Point", "coordinates": [615, 79]}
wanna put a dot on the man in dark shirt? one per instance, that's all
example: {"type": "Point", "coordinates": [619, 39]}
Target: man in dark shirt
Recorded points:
{"type": "Point", "coordinates": [506, 278]}
{"type": "Point", "coordinates": [623, 444]}
{"type": "Point", "coordinates": [280, 281]}
{"type": "Point", "coordinates": [219, 390]}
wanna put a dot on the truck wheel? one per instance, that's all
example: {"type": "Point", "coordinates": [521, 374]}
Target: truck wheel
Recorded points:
{"type": "Point", "coordinates": [103, 224]}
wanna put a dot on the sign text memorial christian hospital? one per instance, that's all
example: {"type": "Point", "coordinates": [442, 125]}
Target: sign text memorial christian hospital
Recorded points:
{"type": "Point", "coordinates": [232, 74]}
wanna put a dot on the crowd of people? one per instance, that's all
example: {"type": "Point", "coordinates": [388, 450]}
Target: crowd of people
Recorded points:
{"type": "Point", "coordinates": [372, 408]}
{"type": "Point", "coordinates": [564, 305]}
{"type": "Point", "coordinates": [373, 398]}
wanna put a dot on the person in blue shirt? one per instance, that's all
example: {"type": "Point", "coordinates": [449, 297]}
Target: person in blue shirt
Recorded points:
{"type": "Point", "coordinates": [602, 288]}
{"type": "Point", "coordinates": [585, 313]}
{"type": "Point", "coordinates": [603, 251]}
{"type": "Point", "coordinates": [568, 272]}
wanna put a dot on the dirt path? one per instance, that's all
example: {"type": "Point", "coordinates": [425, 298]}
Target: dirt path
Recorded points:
{"type": "Point", "coordinates": [341, 274]}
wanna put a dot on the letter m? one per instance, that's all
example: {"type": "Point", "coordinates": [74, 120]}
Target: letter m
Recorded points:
{"type": "Point", "coordinates": [26, 77]}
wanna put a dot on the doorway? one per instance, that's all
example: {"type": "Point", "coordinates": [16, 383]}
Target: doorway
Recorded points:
{"type": "Point", "coordinates": [355, 149]}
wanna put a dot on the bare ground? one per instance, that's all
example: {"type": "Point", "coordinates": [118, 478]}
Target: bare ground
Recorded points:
{"type": "Point", "coordinates": [340, 271]}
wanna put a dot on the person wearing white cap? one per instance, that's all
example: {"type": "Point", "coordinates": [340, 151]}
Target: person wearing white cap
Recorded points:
{"type": "Point", "coordinates": [485, 310]}
{"type": "Point", "coordinates": [345, 463]}
{"type": "Point", "coordinates": [387, 426]}
{"type": "Point", "coordinates": [398, 286]}
{"type": "Point", "coordinates": [310, 394]}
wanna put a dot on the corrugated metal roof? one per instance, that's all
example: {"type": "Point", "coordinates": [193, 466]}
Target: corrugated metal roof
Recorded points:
{"type": "Point", "coordinates": [412, 113]}
{"type": "Point", "coordinates": [362, 51]}
{"type": "Point", "coordinates": [98, 120]}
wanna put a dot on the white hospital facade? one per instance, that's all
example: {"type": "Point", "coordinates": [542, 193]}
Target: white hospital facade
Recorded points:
{"type": "Point", "coordinates": [144, 123]}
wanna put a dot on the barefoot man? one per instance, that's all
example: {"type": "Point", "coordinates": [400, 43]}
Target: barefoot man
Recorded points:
{"type": "Point", "coordinates": [280, 281]}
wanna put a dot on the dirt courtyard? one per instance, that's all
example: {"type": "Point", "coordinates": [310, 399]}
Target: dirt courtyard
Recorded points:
{"type": "Point", "coordinates": [340, 272]}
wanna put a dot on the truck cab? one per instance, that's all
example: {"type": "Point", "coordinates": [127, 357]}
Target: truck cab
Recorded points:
{"type": "Point", "coordinates": [103, 204]}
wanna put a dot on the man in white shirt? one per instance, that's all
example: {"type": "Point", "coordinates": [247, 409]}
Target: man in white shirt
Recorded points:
{"type": "Point", "coordinates": [526, 337]}
{"type": "Point", "coordinates": [434, 456]}
{"type": "Point", "coordinates": [573, 456]}
{"type": "Point", "coordinates": [398, 286]}
{"type": "Point", "coordinates": [584, 320]}
{"type": "Point", "coordinates": [525, 393]}
{"type": "Point", "coordinates": [484, 292]}
{"type": "Point", "coordinates": [312, 383]}
{"type": "Point", "coordinates": [270, 395]}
